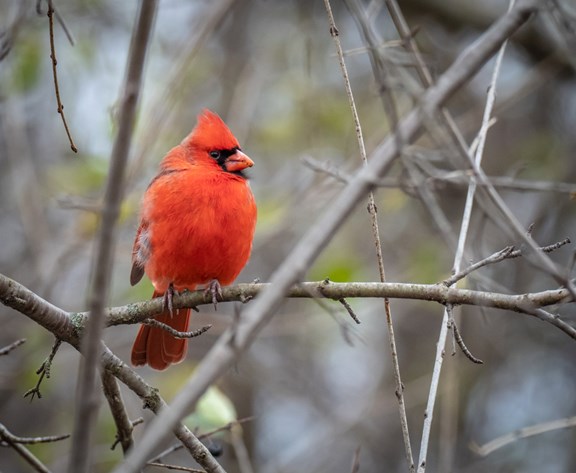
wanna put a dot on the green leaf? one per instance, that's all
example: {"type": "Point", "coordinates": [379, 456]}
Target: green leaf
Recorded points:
{"type": "Point", "coordinates": [214, 410]}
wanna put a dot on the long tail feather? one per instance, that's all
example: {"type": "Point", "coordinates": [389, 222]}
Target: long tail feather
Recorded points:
{"type": "Point", "coordinates": [155, 346]}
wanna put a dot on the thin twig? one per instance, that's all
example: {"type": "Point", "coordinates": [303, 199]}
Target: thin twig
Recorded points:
{"type": "Point", "coordinates": [4, 433]}
{"type": "Point", "coordinates": [174, 467]}
{"type": "Point", "coordinates": [11, 440]}
{"type": "Point", "coordinates": [55, 76]}
{"type": "Point", "coordinates": [43, 371]}
{"type": "Point", "coordinates": [507, 253]}
{"type": "Point", "coordinates": [7, 349]}
{"type": "Point", "coordinates": [458, 337]}
{"type": "Point", "coordinates": [526, 432]}
{"type": "Point", "coordinates": [227, 427]}
{"type": "Point", "coordinates": [87, 398]}
{"type": "Point", "coordinates": [316, 293]}
{"type": "Point", "coordinates": [372, 210]}
{"type": "Point", "coordinates": [349, 309]}
{"type": "Point", "coordinates": [176, 333]}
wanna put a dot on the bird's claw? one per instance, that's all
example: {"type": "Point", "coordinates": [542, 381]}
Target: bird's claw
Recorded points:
{"type": "Point", "coordinates": [214, 289]}
{"type": "Point", "coordinates": [168, 297]}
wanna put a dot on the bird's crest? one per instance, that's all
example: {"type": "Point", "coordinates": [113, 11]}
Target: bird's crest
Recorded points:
{"type": "Point", "coordinates": [211, 133]}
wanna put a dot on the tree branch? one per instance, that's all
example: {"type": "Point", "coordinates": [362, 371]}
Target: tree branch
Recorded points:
{"type": "Point", "coordinates": [15, 443]}
{"type": "Point", "coordinates": [87, 400]}
{"type": "Point", "coordinates": [124, 427]}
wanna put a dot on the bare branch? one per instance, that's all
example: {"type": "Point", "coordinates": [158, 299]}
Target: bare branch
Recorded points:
{"type": "Point", "coordinates": [349, 309]}
{"type": "Point", "coordinates": [87, 400]}
{"type": "Point", "coordinates": [7, 349]}
{"type": "Point", "coordinates": [456, 178]}
{"type": "Point", "coordinates": [176, 333]}
{"type": "Point", "coordinates": [507, 253]}
{"type": "Point", "coordinates": [139, 311]}
{"type": "Point", "coordinates": [537, 429]}
{"type": "Point", "coordinates": [124, 427]}
{"type": "Point", "coordinates": [55, 75]}
{"type": "Point", "coordinates": [4, 433]}
{"type": "Point", "coordinates": [175, 467]}
{"type": "Point", "coordinates": [11, 440]}
{"type": "Point", "coordinates": [13, 294]}
{"type": "Point", "coordinates": [459, 340]}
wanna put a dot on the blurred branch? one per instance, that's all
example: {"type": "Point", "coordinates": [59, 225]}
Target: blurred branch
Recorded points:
{"type": "Point", "coordinates": [356, 460]}
{"type": "Point", "coordinates": [537, 429]}
{"type": "Point", "coordinates": [454, 15]}
{"type": "Point", "coordinates": [462, 178]}
{"type": "Point", "coordinates": [175, 467]}
{"type": "Point", "coordinates": [8, 35]}
{"type": "Point", "coordinates": [459, 178]}
{"type": "Point", "coordinates": [59, 19]}
{"type": "Point", "coordinates": [8, 348]}
{"type": "Point", "coordinates": [87, 400]}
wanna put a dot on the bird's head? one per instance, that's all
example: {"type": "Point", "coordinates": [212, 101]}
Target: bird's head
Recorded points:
{"type": "Point", "coordinates": [212, 141]}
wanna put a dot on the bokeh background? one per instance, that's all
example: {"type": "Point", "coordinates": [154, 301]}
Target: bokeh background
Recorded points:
{"type": "Point", "coordinates": [318, 385]}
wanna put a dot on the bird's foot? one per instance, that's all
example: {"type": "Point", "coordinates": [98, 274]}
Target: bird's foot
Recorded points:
{"type": "Point", "coordinates": [214, 289]}
{"type": "Point", "coordinates": [168, 296]}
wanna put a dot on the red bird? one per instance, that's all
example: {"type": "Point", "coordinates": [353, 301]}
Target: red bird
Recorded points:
{"type": "Point", "coordinates": [196, 228]}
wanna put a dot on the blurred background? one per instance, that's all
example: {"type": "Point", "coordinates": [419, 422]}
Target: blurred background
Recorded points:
{"type": "Point", "coordinates": [317, 385]}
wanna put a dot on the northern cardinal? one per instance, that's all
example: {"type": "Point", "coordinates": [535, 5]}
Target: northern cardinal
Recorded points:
{"type": "Point", "coordinates": [196, 228]}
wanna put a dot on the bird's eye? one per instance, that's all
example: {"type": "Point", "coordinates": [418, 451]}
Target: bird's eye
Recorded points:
{"type": "Point", "coordinates": [215, 154]}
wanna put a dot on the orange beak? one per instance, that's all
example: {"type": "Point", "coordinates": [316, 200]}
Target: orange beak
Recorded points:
{"type": "Point", "coordinates": [238, 161]}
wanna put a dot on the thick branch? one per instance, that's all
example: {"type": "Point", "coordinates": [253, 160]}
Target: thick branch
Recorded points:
{"type": "Point", "coordinates": [65, 325]}
{"type": "Point", "coordinates": [139, 311]}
